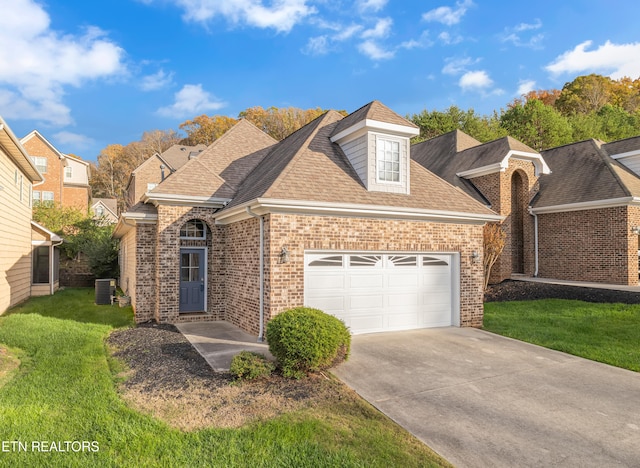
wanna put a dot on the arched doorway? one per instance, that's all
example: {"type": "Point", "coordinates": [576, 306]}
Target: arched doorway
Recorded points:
{"type": "Point", "coordinates": [518, 202]}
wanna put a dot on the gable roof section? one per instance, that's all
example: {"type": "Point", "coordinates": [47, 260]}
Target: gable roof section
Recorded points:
{"type": "Point", "coordinates": [14, 150]}
{"type": "Point", "coordinates": [307, 167]}
{"type": "Point", "coordinates": [178, 155]}
{"type": "Point", "coordinates": [622, 147]}
{"type": "Point", "coordinates": [584, 175]}
{"type": "Point", "coordinates": [368, 116]}
{"type": "Point", "coordinates": [110, 204]}
{"type": "Point", "coordinates": [218, 170]}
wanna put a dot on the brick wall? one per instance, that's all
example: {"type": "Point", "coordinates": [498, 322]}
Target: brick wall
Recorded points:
{"type": "Point", "coordinates": [590, 245]}
{"type": "Point", "coordinates": [145, 296]}
{"type": "Point", "coordinates": [497, 188]}
{"type": "Point", "coordinates": [167, 261]}
{"type": "Point", "coordinates": [53, 177]}
{"type": "Point", "coordinates": [285, 282]}
{"type": "Point", "coordinates": [78, 197]}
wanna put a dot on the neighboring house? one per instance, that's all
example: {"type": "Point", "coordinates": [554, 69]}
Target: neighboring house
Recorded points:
{"type": "Point", "coordinates": [105, 208]}
{"type": "Point", "coordinates": [337, 216]}
{"type": "Point", "coordinates": [66, 177]}
{"type": "Point", "coordinates": [17, 176]}
{"type": "Point", "coordinates": [571, 213]}
{"type": "Point", "coordinates": [155, 169]}
{"type": "Point", "coordinates": [45, 277]}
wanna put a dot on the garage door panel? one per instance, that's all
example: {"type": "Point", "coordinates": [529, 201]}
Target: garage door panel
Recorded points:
{"type": "Point", "coordinates": [361, 280]}
{"type": "Point", "coordinates": [382, 292]}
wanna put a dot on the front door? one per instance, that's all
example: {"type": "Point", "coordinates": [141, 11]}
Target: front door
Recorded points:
{"type": "Point", "coordinates": [192, 280]}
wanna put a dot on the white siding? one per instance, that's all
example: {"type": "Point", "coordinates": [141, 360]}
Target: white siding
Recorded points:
{"type": "Point", "coordinates": [15, 234]}
{"type": "Point", "coordinates": [79, 174]}
{"type": "Point", "coordinates": [373, 184]}
{"type": "Point", "coordinates": [356, 152]}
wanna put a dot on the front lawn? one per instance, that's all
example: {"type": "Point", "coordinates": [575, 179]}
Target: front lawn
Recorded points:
{"type": "Point", "coordinates": [608, 333]}
{"type": "Point", "coordinates": [62, 408]}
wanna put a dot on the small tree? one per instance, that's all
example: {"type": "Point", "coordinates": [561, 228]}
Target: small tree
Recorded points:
{"type": "Point", "coordinates": [493, 244]}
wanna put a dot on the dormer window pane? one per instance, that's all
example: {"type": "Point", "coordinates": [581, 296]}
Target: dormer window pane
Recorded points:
{"type": "Point", "coordinates": [388, 155]}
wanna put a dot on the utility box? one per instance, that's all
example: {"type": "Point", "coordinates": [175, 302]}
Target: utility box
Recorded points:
{"type": "Point", "coordinates": [105, 291]}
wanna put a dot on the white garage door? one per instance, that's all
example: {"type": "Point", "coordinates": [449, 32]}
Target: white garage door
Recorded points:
{"type": "Point", "coordinates": [373, 292]}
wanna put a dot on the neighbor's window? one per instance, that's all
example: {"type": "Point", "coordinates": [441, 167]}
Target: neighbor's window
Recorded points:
{"type": "Point", "coordinates": [36, 197]}
{"type": "Point", "coordinates": [99, 210]}
{"type": "Point", "coordinates": [388, 159]}
{"type": "Point", "coordinates": [68, 172]}
{"type": "Point", "coordinates": [41, 164]}
{"type": "Point", "coordinates": [47, 197]}
{"type": "Point", "coordinates": [193, 229]}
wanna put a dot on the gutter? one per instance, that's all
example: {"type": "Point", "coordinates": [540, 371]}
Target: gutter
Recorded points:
{"type": "Point", "coordinates": [252, 214]}
{"type": "Point", "coordinates": [535, 240]}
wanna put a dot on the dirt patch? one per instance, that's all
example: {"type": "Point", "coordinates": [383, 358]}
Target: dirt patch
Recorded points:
{"type": "Point", "coordinates": [524, 291]}
{"type": "Point", "coordinates": [167, 378]}
{"type": "Point", "coordinates": [9, 364]}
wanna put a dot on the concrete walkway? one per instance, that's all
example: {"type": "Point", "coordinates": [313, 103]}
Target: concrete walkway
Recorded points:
{"type": "Point", "coordinates": [218, 342]}
{"type": "Point", "coordinates": [482, 400]}
{"type": "Point", "coordinates": [582, 284]}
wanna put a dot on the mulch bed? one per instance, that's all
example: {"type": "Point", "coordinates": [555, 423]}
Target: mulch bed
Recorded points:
{"type": "Point", "coordinates": [524, 291]}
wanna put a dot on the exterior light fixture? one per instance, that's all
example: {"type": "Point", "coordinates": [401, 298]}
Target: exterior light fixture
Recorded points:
{"type": "Point", "coordinates": [284, 255]}
{"type": "Point", "coordinates": [475, 256]}
{"type": "Point", "coordinates": [636, 230]}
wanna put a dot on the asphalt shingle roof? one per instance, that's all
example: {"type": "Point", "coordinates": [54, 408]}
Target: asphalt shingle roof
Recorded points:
{"type": "Point", "coordinates": [375, 110]}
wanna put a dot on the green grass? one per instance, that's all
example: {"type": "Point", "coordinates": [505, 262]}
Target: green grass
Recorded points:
{"type": "Point", "coordinates": [608, 333]}
{"type": "Point", "coordinates": [65, 390]}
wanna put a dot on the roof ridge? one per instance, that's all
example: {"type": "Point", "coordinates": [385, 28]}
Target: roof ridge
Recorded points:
{"type": "Point", "coordinates": [295, 158]}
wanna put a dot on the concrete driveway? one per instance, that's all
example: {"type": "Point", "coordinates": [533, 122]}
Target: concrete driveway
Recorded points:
{"type": "Point", "coordinates": [481, 400]}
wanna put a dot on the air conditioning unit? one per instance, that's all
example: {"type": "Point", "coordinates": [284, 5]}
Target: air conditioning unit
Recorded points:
{"type": "Point", "coordinates": [105, 291]}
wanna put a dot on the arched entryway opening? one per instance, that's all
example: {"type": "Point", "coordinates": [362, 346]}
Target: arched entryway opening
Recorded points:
{"type": "Point", "coordinates": [518, 206]}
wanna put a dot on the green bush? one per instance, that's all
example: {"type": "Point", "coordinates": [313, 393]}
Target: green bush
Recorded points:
{"type": "Point", "coordinates": [247, 365]}
{"type": "Point", "coordinates": [304, 339]}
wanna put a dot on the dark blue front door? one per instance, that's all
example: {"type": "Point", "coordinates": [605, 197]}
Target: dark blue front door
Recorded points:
{"type": "Point", "coordinates": [192, 280]}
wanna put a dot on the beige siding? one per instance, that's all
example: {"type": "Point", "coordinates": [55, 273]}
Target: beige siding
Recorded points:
{"type": "Point", "coordinates": [128, 264]}
{"type": "Point", "coordinates": [356, 152]}
{"type": "Point", "coordinates": [15, 234]}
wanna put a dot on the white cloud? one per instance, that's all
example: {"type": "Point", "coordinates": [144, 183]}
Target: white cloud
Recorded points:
{"type": "Point", "coordinates": [380, 30]}
{"type": "Point", "coordinates": [347, 32]}
{"type": "Point", "coordinates": [190, 101]}
{"type": "Point", "coordinates": [447, 15]}
{"type": "Point", "coordinates": [374, 51]}
{"type": "Point", "coordinates": [318, 45]}
{"type": "Point", "coordinates": [158, 80]}
{"type": "Point", "coordinates": [617, 60]}
{"type": "Point", "coordinates": [281, 15]}
{"type": "Point", "coordinates": [475, 80]}
{"type": "Point", "coordinates": [37, 63]}
{"type": "Point", "coordinates": [525, 87]}
{"type": "Point", "coordinates": [456, 66]}
{"type": "Point", "coordinates": [73, 139]}
{"type": "Point", "coordinates": [449, 39]}
{"type": "Point", "coordinates": [371, 5]}
{"type": "Point", "coordinates": [515, 35]}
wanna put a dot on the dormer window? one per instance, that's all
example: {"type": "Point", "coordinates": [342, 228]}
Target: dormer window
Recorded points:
{"type": "Point", "coordinates": [388, 160]}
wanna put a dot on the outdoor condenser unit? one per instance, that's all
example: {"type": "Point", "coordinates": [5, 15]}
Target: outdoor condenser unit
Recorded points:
{"type": "Point", "coordinates": [105, 291]}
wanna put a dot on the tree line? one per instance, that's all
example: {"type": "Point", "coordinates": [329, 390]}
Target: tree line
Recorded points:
{"type": "Point", "coordinates": [590, 106]}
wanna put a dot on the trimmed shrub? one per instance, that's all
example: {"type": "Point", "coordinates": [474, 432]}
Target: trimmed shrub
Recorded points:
{"type": "Point", "coordinates": [305, 339]}
{"type": "Point", "coordinates": [247, 365]}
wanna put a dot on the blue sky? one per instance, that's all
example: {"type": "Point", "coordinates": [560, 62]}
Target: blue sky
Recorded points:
{"type": "Point", "coordinates": [87, 74]}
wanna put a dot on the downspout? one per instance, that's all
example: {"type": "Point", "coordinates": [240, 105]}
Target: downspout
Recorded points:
{"type": "Point", "coordinates": [535, 241]}
{"type": "Point", "coordinates": [251, 213]}
{"type": "Point", "coordinates": [52, 261]}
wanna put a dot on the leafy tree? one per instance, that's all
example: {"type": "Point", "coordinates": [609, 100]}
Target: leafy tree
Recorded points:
{"type": "Point", "coordinates": [205, 130]}
{"type": "Point", "coordinates": [585, 94]}
{"type": "Point", "coordinates": [536, 125]}
{"type": "Point", "coordinates": [548, 97]}
{"type": "Point", "coordinates": [82, 234]}
{"type": "Point", "coordinates": [435, 123]}
{"type": "Point", "coordinates": [280, 122]}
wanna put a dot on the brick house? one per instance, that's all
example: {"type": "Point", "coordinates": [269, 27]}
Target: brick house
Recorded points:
{"type": "Point", "coordinates": [337, 216]}
{"type": "Point", "coordinates": [66, 177]}
{"type": "Point", "coordinates": [156, 168]}
{"type": "Point", "coordinates": [570, 213]}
